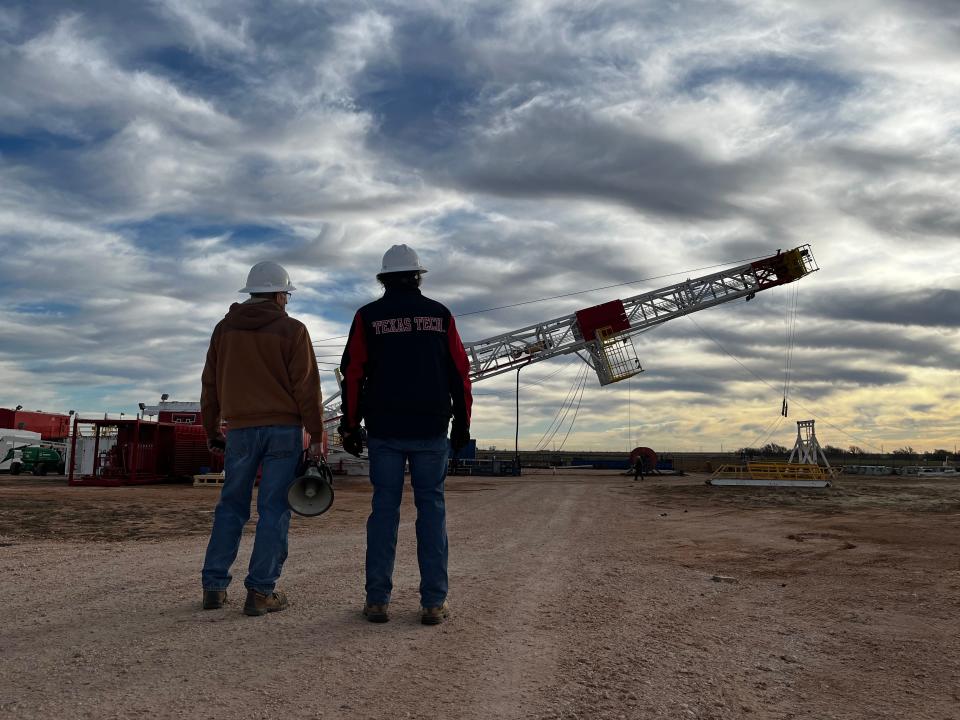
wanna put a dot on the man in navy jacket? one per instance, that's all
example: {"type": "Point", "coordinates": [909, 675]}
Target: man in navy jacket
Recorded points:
{"type": "Point", "coordinates": [405, 373]}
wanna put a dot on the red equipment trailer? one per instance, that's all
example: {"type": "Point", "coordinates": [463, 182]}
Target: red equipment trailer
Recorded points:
{"type": "Point", "coordinates": [145, 452]}
{"type": "Point", "coordinates": [51, 426]}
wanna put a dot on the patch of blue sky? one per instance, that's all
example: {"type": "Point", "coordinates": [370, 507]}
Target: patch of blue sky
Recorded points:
{"type": "Point", "coordinates": [456, 220]}
{"type": "Point", "coordinates": [163, 231]}
{"type": "Point", "coordinates": [773, 71]}
{"type": "Point", "coordinates": [88, 401]}
{"type": "Point", "coordinates": [423, 97]}
{"type": "Point", "coordinates": [191, 71]}
{"type": "Point", "coordinates": [34, 141]}
{"type": "Point", "coordinates": [46, 309]}
{"type": "Point", "coordinates": [336, 311]}
{"type": "Point", "coordinates": [425, 109]}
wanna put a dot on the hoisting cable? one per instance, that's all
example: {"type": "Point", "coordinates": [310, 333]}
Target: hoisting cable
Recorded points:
{"type": "Point", "coordinates": [564, 408]}
{"type": "Point", "coordinates": [533, 383]}
{"type": "Point", "coordinates": [767, 431]}
{"type": "Point", "coordinates": [570, 391]}
{"type": "Point", "coordinates": [860, 441]}
{"type": "Point", "coordinates": [582, 380]}
{"type": "Point", "coordinates": [575, 412]}
{"type": "Point", "coordinates": [790, 324]}
{"type": "Point", "coordinates": [776, 426]}
{"type": "Point", "coordinates": [541, 381]}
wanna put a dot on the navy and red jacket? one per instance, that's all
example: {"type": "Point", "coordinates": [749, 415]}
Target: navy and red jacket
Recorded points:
{"type": "Point", "coordinates": [405, 371]}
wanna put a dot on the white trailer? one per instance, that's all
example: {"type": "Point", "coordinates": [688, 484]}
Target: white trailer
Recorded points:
{"type": "Point", "coordinates": [10, 440]}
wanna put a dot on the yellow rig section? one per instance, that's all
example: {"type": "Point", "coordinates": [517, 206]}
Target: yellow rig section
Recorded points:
{"type": "Point", "coordinates": [773, 474]}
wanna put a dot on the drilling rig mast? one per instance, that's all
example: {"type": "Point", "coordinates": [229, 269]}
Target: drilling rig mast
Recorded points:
{"type": "Point", "coordinates": [602, 335]}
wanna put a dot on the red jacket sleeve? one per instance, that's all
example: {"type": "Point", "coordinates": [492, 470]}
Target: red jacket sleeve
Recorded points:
{"type": "Point", "coordinates": [353, 368]}
{"type": "Point", "coordinates": [460, 387]}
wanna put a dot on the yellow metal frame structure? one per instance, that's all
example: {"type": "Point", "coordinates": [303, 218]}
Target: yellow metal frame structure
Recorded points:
{"type": "Point", "coordinates": [778, 471]}
{"type": "Point", "coordinates": [619, 356]}
{"type": "Point", "coordinates": [774, 473]}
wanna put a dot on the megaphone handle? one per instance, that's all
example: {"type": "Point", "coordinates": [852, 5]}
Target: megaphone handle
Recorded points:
{"type": "Point", "coordinates": [325, 471]}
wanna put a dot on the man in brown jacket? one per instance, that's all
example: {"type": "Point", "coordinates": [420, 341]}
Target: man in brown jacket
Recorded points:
{"type": "Point", "coordinates": [260, 379]}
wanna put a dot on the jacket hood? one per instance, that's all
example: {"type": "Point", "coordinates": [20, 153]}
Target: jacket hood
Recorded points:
{"type": "Point", "coordinates": [253, 316]}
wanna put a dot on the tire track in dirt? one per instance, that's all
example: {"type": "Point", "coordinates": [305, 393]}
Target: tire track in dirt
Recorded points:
{"type": "Point", "coordinates": [494, 657]}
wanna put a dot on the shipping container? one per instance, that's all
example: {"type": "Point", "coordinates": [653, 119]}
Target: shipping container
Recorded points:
{"type": "Point", "coordinates": [51, 426]}
{"type": "Point", "coordinates": [138, 452]}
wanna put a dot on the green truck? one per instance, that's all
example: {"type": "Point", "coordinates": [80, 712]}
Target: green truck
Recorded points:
{"type": "Point", "coordinates": [34, 459]}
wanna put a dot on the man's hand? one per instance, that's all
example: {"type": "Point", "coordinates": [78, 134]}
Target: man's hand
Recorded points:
{"type": "Point", "coordinates": [352, 440]}
{"type": "Point", "coordinates": [459, 435]}
{"type": "Point", "coordinates": [217, 445]}
{"type": "Point", "coordinates": [316, 450]}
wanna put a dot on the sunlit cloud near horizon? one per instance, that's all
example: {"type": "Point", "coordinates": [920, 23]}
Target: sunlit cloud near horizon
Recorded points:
{"type": "Point", "coordinates": [150, 153]}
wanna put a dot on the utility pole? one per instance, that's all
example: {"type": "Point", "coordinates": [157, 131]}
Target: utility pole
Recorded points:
{"type": "Point", "coordinates": [516, 438]}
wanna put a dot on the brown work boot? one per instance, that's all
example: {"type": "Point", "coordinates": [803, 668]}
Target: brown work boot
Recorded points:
{"type": "Point", "coordinates": [214, 599]}
{"type": "Point", "coordinates": [434, 615]}
{"type": "Point", "coordinates": [259, 604]}
{"type": "Point", "coordinates": [377, 613]}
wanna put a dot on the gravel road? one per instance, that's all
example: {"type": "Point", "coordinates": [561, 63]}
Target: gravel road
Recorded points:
{"type": "Point", "coordinates": [572, 597]}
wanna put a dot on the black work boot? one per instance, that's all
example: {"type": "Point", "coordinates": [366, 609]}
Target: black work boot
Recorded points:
{"type": "Point", "coordinates": [259, 604]}
{"type": "Point", "coordinates": [214, 599]}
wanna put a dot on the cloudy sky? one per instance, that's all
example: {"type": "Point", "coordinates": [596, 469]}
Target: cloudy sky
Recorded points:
{"type": "Point", "coordinates": [150, 152]}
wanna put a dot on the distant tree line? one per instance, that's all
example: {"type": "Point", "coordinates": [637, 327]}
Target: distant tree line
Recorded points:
{"type": "Point", "coordinates": [765, 451]}
{"type": "Point", "coordinates": [905, 453]}
{"type": "Point", "coordinates": [940, 454]}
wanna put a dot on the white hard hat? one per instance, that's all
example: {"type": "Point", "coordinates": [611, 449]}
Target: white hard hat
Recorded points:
{"type": "Point", "coordinates": [401, 258]}
{"type": "Point", "coordinates": [267, 277]}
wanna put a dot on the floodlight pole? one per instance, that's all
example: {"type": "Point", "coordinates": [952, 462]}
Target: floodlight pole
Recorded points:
{"type": "Point", "coordinates": [516, 438]}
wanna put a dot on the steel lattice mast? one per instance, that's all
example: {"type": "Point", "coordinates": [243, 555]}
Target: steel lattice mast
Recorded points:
{"type": "Point", "coordinates": [601, 335]}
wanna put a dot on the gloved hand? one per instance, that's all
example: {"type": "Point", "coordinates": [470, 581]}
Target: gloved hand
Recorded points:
{"type": "Point", "coordinates": [352, 440]}
{"type": "Point", "coordinates": [459, 435]}
{"type": "Point", "coordinates": [217, 445]}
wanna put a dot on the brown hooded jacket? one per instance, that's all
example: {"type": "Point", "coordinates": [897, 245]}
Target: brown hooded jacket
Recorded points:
{"type": "Point", "coordinates": [261, 370]}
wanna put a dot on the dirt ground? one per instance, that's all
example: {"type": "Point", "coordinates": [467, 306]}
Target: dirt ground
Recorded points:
{"type": "Point", "coordinates": [586, 596]}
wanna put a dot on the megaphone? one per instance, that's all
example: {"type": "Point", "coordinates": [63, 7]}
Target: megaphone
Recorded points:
{"type": "Point", "coordinates": [312, 493]}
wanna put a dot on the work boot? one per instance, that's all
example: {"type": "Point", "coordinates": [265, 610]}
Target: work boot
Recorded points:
{"type": "Point", "coordinates": [376, 613]}
{"type": "Point", "coordinates": [214, 599]}
{"type": "Point", "coordinates": [259, 604]}
{"type": "Point", "coordinates": [434, 615]}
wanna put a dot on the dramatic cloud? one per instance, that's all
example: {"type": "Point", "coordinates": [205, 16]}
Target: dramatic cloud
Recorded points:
{"type": "Point", "coordinates": [151, 152]}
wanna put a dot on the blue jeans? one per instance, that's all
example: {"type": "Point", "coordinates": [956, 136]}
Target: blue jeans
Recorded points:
{"type": "Point", "coordinates": [277, 448]}
{"type": "Point", "coordinates": [428, 469]}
